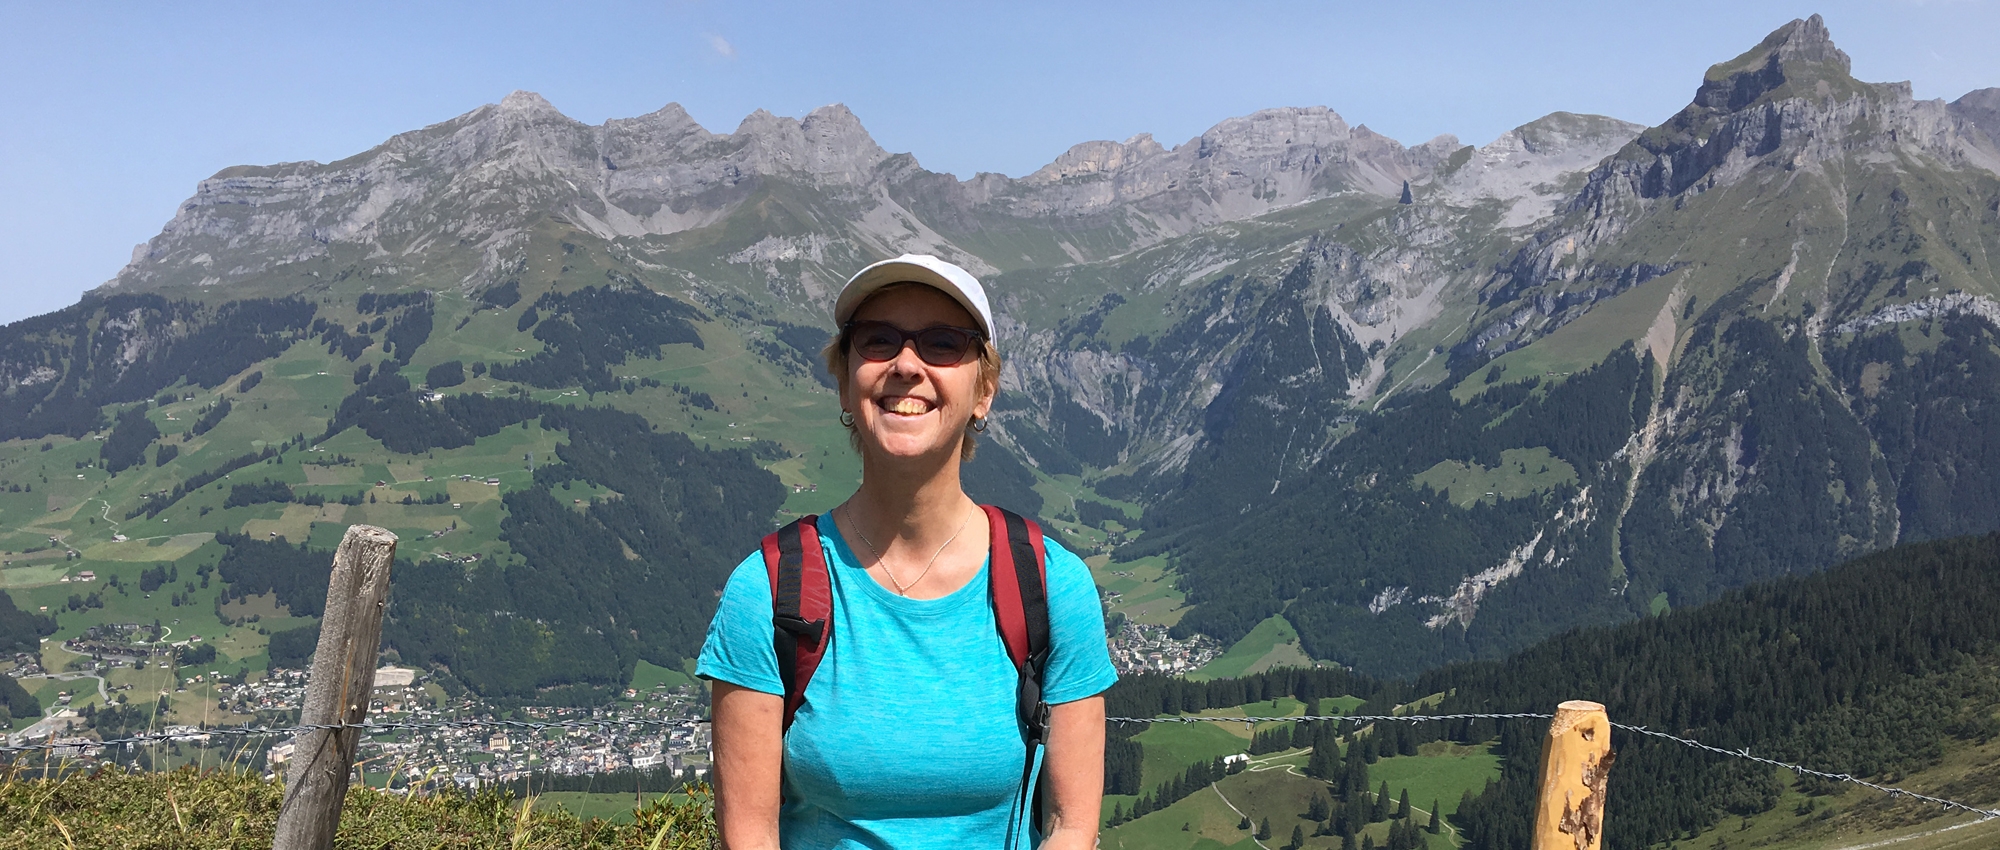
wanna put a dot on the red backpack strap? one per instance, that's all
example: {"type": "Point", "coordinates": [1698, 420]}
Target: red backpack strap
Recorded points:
{"type": "Point", "coordinates": [801, 605]}
{"type": "Point", "coordinates": [1018, 578]}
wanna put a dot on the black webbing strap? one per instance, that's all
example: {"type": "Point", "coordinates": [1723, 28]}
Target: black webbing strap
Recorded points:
{"type": "Point", "coordinates": [785, 619]}
{"type": "Point", "coordinates": [1034, 713]}
{"type": "Point", "coordinates": [1034, 597]}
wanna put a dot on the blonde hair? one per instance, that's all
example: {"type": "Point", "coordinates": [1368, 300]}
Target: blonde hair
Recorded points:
{"type": "Point", "coordinates": [836, 357]}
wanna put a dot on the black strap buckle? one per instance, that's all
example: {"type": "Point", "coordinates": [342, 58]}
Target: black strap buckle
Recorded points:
{"type": "Point", "coordinates": [800, 627]}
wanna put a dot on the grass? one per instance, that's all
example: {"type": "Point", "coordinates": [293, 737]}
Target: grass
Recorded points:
{"type": "Point", "coordinates": [1521, 472]}
{"type": "Point", "coordinates": [1212, 817]}
{"type": "Point", "coordinates": [609, 806]}
{"type": "Point", "coordinates": [1580, 344]}
{"type": "Point", "coordinates": [215, 809]}
{"type": "Point", "coordinates": [1208, 821]}
{"type": "Point", "coordinates": [1440, 772]}
{"type": "Point", "coordinates": [1145, 588]}
{"type": "Point", "coordinates": [1272, 643]}
{"type": "Point", "coordinates": [1171, 747]}
{"type": "Point", "coordinates": [647, 676]}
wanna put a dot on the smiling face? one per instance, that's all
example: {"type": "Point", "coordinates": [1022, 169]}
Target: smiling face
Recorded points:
{"type": "Point", "coordinates": [904, 407]}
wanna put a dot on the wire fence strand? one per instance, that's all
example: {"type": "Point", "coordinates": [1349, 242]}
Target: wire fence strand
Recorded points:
{"type": "Point", "coordinates": [600, 725]}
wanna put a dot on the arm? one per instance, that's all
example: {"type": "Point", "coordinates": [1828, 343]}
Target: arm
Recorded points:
{"type": "Point", "coordinates": [1073, 774]}
{"type": "Point", "coordinates": [749, 761]}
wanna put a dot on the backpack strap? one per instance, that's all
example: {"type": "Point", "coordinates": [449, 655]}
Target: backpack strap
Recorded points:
{"type": "Point", "coordinates": [801, 605]}
{"type": "Point", "coordinates": [1018, 576]}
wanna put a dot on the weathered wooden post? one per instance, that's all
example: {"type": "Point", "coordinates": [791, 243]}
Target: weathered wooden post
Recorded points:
{"type": "Point", "coordinates": [1576, 764]}
{"type": "Point", "coordinates": [343, 675]}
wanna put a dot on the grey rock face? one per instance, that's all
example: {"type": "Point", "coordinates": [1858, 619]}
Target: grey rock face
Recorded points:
{"type": "Point", "coordinates": [1238, 168]}
{"type": "Point", "coordinates": [1788, 103]}
{"type": "Point", "coordinates": [1981, 108]}
{"type": "Point", "coordinates": [479, 178]}
{"type": "Point", "coordinates": [1530, 168]}
{"type": "Point", "coordinates": [482, 178]}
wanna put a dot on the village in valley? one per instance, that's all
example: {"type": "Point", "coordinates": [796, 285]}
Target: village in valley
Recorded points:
{"type": "Point", "coordinates": [658, 731]}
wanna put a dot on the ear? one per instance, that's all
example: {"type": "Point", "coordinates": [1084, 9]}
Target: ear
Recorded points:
{"type": "Point", "coordinates": [984, 405]}
{"type": "Point", "coordinates": [842, 381]}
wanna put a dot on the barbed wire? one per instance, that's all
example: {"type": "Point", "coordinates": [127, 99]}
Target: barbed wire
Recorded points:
{"type": "Point", "coordinates": [1984, 814]}
{"type": "Point", "coordinates": [602, 724]}
{"type": "Point", "coordinates": [1356, 718]}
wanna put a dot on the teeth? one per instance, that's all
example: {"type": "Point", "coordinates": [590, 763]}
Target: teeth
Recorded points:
{"type": "Point", "coordinates": [910, 406]}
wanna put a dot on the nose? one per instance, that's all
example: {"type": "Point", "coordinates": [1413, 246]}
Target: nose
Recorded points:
{"type": "Point", "coordinates": [906, 362]}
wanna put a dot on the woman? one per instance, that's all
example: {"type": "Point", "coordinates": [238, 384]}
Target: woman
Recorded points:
{"type": "Point", "coordinates": [908, 737]}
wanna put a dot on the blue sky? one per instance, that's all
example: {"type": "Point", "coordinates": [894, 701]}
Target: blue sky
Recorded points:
{"type": "Point", "coordinates": [114, 111]}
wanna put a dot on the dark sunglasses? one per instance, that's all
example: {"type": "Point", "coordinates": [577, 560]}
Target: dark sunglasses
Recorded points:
{"type": "Point", "coordinates": [941, 345]}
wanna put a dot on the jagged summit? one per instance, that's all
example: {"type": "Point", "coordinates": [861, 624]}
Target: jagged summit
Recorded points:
{"type": "Point", "coordinates": [1981, 108]}
{"type": "Point", "coordinates": [1799, 52]}
{"type": "Point", "coordinates": [527, 101]}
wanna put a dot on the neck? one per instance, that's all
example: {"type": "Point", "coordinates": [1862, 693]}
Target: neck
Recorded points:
{"type": "Point", "coordinates": [913, 500]}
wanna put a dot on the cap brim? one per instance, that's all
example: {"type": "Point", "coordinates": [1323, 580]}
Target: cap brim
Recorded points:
{"type": "Point", "coordinates": [871, 279]}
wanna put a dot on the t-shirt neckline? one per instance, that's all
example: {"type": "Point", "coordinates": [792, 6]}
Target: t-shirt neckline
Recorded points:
{"type": "Point", "coordinates": [845, 559]}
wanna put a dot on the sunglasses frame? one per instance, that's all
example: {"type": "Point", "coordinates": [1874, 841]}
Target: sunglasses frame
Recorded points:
{"type": "Point", "coordinates": [905, 338]}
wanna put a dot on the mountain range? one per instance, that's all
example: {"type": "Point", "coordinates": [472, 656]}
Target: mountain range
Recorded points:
{"type": "Point", "coordinates": [1423, 403]}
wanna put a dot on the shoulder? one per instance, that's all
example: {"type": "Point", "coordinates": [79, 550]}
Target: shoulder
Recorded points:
{"type": "Point", "coordinates": [749, 584]}
{"type": "Point", "coordinates": [1072, 590]}
{"type": "Point", "coordinates": [1064, 569]}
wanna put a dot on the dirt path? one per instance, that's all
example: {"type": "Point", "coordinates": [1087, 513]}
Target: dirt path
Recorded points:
{"type": "Point", "coordinates": [1239, 812]}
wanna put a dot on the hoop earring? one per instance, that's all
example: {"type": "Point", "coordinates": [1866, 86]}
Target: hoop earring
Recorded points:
{"type": "Point", "coordinates": [846, 419]}
{"type": "Point", "coordinates": [979, 425]}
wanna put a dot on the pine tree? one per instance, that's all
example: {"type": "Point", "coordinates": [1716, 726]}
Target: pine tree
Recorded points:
{"type": "Point", "coordinates": [1403, 806]}
{"type": "Point", "coordinates": [1347, 842]}
{"type": "Point", "coordinates": [1264, 830]}
{"type": "Point", "coordinates": [1324, 761]}
{"type": "Point", "coordinates": [1298, 838]}
{"type": "Point", "coordinates": [1381, 810]}
{"type": "Point", "coordinates": [1317, 808]}
{"type": "Point", "coordinates": [1245, 824]}
{"type": "Point", "coordinates": [1406, 199]}
{"type": "Point", "coordinates": [1437, 822]}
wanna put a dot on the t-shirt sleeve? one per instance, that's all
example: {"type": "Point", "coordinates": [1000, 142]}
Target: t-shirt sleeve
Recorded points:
{"type": "Point", "coordinates": [738, 649]}
{"type": "Point", "coordinates": [1079, 662]}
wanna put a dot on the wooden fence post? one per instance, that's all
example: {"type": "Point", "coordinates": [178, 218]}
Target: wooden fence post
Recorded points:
{"type": "Point", "coordinates": [1576, 764]}
{"type": "Point", "coordinates": [343, 675]}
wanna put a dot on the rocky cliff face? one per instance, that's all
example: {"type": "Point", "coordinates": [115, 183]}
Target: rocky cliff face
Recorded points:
{"type": "Point", "coordinates": [1239, 168]}
{"type": "Point", "coordinates": [1981, 109]}
{"type": "Point", "coordinates": [484, 178]}
{"type": "Point", "coordinates": [1786, 112]}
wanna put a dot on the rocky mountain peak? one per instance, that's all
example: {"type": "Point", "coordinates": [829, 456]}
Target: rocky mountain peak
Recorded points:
{"type": "Point", "coordinates": [1806, 41]}
{"type": "Point", "coordinates": [829, 143]}
{"type": "Point", "coordinates": [1801, 52]}
{"type": "Point", "coordinates": [1981, 108]}
{"type": "Point", "coordinates": [1097, 157]}
{"type": "Point", "coordinates": [531, 105]}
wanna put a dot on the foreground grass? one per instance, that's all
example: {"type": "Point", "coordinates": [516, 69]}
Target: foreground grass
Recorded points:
{"type": "Point", "coordinates": [186, 808]}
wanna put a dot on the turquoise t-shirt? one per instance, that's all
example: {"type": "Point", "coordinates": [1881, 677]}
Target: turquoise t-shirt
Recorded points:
{"type": "Point", "coordinates": [908, 737]}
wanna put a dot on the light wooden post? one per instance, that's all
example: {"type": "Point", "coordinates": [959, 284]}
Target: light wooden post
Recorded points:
{"type": "Point", "coordinates": [343, 675]}
{"type": "Point", "coordinates": [1576, 765]}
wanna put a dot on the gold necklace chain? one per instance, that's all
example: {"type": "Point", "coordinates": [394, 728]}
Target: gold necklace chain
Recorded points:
{"type": "Point", "coordinates": [901, 588]}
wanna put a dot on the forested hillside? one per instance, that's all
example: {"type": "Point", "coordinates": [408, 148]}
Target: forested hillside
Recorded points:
{"type": "Point", "coordinates": [1885, 667]}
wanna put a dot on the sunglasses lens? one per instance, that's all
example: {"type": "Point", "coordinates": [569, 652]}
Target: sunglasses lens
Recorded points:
{"type": "Point", "coordinates": [877, 341]}
{"type": "Point", "coordinates": [943, 346]}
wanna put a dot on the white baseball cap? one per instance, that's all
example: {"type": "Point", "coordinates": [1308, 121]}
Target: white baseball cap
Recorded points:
{"type": "Point", "coordinates": [916, 268]}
